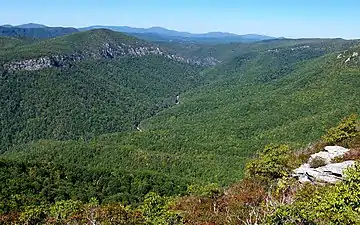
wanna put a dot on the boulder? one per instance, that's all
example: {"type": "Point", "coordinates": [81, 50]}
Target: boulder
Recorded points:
{"type": "Point", "coordinates": [330, 173]}
{"type": "Point", "coordinates": [329, 153]}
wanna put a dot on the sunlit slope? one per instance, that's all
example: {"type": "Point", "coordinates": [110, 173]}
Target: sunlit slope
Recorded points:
{"type": "Point", "coordinates": [88, 97]}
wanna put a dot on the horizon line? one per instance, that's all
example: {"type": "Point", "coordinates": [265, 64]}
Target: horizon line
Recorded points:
{"type": "Point", "coordinates": [172, 29]}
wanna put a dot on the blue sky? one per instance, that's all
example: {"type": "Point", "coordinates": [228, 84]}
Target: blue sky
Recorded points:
{"type": "Point", "coordinates": [289, 18]}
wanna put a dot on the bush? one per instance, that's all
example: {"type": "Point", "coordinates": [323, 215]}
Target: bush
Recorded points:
{"type": "Point", "coordinates": [231, 207]}
{"type": "Point", "coordinates": [210, 190]}
{"type": "Point", "coordinates": [353, 154]}
{"type": "Point", "coordinates": [156, 210]}
{"type": "Point", "coordinates": [317, 162]}
{"type": "Point", "coordinates": [346, 129]}
{"type": "Point", "coordinates": [338, 204]}
{"type": "Point", "coordinates": [63, 209]}
{"type": "Point", "coordinates": [272, 163]}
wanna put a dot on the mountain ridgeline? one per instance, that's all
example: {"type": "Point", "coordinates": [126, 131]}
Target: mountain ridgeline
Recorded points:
{"type": "Point", "coordinates": [155, 34]}
{"type": "Point", "coordinates": [160, 34]}
{"type": "Point", "coordinates": [33, 31]}
{"type": "Point", "coordinates": [101, 114]}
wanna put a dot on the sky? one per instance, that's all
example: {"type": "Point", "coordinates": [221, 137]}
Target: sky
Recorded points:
{"type": "Point", "coordinates": [279, 18]}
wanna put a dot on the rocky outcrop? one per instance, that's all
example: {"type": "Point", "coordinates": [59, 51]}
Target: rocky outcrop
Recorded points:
{"type": "Point", "coordinates": [329, 153]}
{"type": "Point", "coordinates": [350, 57]}
{"type": "Point", "coordinates": [330, 172]}
{"type": "Point", "coordinates": [43, 62]}
{"type": "Point", "coordinates": [108, 51]}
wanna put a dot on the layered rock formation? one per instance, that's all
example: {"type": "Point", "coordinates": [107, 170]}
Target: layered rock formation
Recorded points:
{"type": "Point", "coordinates": [108, 51]}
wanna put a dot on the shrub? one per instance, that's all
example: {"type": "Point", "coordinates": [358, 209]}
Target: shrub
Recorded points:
{"type": "Point", "coordinates": [272, 163]}
{"type": "Point", "coordinates": [338, 204]}
{"type": "Point", "coordinates": [353, 154]}
{"type": "Point", "coordinates": [63, 209]}
{"type": "Point", "coordinates": [210, 190]}
{"type": "Point", "coordinates": [303, 154]}
{"type": "Point", "coordinates": [317, 162]}
{"type": "Point", "coordinates": [238, 205]}
{"type": "Point", "coordinates": [156, 210]}
{"type": "Point", "coordinates": [34, 214]}
{"type": "Point", "coordinates": [107, 214]}
{"type": "Point", "coordinates": [346, 129]}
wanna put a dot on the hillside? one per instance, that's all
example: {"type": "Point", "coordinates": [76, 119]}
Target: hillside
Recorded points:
{"type": "Point", "coordinates": [83, 85]}
{"type": "Point", "coordinates": [7, 43]}
{"type": "Point", "coordinates": [223, 53]}
{"type": "Point", "coordinates": [84, 42]}
{"type": "Point", "coordinates": [287, 96]}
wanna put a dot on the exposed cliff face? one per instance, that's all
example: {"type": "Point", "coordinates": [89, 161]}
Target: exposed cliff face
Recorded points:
{"type": "Point", "coordinates": [108, 51]}
{"type": "Point", "coordinates": [43, 62]}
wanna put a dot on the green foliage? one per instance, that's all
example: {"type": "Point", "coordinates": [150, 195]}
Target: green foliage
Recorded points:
{"type": "Point", "coordinates": [34, 214]}
{"type": "Point", "coordinates": [317, 162]}
{"type": "Point", "coordinates": [155, 209]}
{"type": "Point", "coordinates": [113, 214]}
{"type": "Point", "coordinates": [25, 184]}
{"type": "Point", "coordinates": [207, 138]}
{"type": "Point", "coordinates": [271, 163]}
{"type": "Point", "coordinates": [81, 42]}
{"type": "Point", "coordinates": [210, 191]}
{"type": "Point", "coordinates": [346, 129]}
{"type": "Point", "coordinates": [75, 212]}
{"type": "Point", "coordinates": [339, 204]}
{"type": "Point", "coordinates": [106, 97]}
{"type": "Point", "coordinates": [64, 208]}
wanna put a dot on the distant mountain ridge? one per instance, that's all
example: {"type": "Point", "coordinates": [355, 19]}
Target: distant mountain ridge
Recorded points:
{"type": "Point", "coordinates": [33, 30]}
{"type": "Point", "coordinates": [218, 37]}
{"type": "Point", "coordinates": [27, 25]}
{"type": "Point", "coordinates": [164, 31]}
{"type": "Point", "coordinates": [158, 34]}
{"type": "Point", "coordinates": [31, 25]}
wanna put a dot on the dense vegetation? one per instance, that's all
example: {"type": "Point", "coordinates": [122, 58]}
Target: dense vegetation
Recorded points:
{"type": "Point", "coordinates": [226, 52]}
{"type": "Point", "coordinates": [89, 98]}
{"type": "Point", "coordinates": [266, 196]}
{"type": "Point", "coordinates": [69, 134]}
{"type": "Point", "coordinates": [83, 42]}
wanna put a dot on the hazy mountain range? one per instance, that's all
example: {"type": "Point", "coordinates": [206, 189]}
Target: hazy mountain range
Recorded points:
{"type": "Point", "coordinates": [173, 33]}
{"type": "Point", "coordinates": [151, 34]}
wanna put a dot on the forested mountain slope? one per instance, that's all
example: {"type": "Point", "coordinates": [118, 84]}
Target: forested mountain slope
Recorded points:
{"type": "Point", "coordinates": [226, 52]}
{"type": "Point", "coordinates": [82, 85]}
{"type": "Point", "coordinates": [283, 96]}
{"type": "Point", "coordinates": [100, 81]}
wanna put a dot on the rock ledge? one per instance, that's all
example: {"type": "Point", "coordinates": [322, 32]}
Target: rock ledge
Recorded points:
{"type": "Point", "coordinates": [330, 173]}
